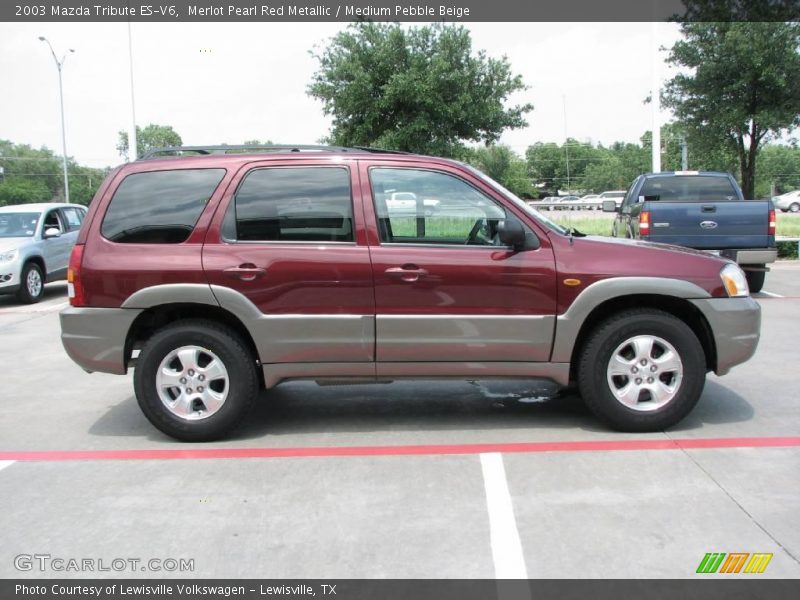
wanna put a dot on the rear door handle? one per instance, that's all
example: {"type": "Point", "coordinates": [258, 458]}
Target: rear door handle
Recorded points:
{"type": "Point", "coordinates": [708, 208]}
{"type": "Point", "coordinates": [409, 273]}
{"type": "Point", "coordinates": [245, 272]}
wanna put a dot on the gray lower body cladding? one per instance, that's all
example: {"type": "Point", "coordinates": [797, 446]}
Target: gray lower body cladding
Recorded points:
{"type": "Point", "coordinates": [95, 337]}
{"type": "Point", "coordinates": [736, 325]}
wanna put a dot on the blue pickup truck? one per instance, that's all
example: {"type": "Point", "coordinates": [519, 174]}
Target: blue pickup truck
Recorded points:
{"type": "Point", "coordinates": [702, 210]}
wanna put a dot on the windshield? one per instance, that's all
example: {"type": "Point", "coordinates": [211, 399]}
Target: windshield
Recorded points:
{"type": "Point", "coordinates": [18, 224]}
{"type": "Point", "coordinates": [518, 201]}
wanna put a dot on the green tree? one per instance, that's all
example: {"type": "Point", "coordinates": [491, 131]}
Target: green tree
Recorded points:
{"type": "Point", "coordinates": [606, 174]}
{"type": "Point", "coordinates": [742, 88]}
{"type": "Point", "coordinates": [421, 89]}
{"type": "Point", "coordinates": [39, 166]}
{"type": "Point", "coordinates": [19, 190]}
{"type": "Point", "coordinates": [501, 164]}
{"type": "Point", "coordinates": [36, 175]}
{"type": "Point", "coordinates": [778, 170]}
{"type": "Point", "coordinates": [149, 138]}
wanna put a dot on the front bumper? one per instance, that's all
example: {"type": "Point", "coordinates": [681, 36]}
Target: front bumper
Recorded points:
{"type": "Point", "coordinates": [9, 276]}
{"type": "Point", "coordinates": [95, 337]}
{"type": "Point", "coordinates": [736, 326]}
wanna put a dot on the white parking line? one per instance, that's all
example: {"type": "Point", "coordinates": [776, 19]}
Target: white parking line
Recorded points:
{"type": "Point", "coordinates": [771, 295]}
{"type": "Point", "coordinates": [509, 562]}
{"type": "Point", "coordinates": [6, 463]}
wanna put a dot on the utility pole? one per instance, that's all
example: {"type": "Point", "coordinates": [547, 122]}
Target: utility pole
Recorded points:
{"type": "Point", "coordinates": [566, 139]}
{"type": "Point", "coordinates": [655, 101]}
{"type": "Point", "coordinates": [59, 65]}
{"type": "Point", "coordinates": [132, 142]}
{"type": "Point", "coordinates": [684, 154]}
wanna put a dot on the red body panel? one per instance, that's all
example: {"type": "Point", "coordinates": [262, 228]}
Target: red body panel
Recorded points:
{"type": "Point", "coordinates": [338, 278]}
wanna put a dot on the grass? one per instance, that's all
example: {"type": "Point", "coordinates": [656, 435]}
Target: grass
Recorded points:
{"type": "Point", "coordinates": [601, 224]}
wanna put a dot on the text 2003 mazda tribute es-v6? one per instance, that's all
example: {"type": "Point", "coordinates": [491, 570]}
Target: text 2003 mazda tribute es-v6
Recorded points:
{"type": "Point", "coordinates": [218, 274]}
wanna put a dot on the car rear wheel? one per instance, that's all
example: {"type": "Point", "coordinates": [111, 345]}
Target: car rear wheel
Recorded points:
{"type": "Point", "coordinates": [755, 280]}
{"type": "Point", "coordinates": [195, 380]}
{"type": "Point", "coordinates": [643, 370]}
{"type": "Point", "coordinates": [31, 287]}
{"type": "Point", "coordinates": [794, 207]}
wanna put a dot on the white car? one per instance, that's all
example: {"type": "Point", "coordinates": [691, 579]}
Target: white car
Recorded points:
{"type": "Point", "coordinates": [36, 241]}
{"type": "Point", "coordinates": [788, 202]}
{"type": "Point", "coordinates": [405, 203]}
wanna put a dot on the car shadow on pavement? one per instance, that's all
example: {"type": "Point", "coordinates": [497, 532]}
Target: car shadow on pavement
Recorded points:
{"type": "Point", "coordinates": [301, 408]}
{"type": "Point", "coordinates": [51, 290]}
{"type": "Point", "coordinates": [718, 405]}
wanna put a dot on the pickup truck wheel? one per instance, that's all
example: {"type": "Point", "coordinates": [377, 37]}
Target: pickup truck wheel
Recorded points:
{"type": "Point", "coordinates": [195, 380]}
{"type": "Point", "coordinates": [31, 285]}
{"type": "Point", "coordinates": [755, 280]}
{"type": "Point", "coordinates": [643, 370]}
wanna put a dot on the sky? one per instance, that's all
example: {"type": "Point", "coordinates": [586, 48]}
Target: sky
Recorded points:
{"type": "Point", "coordinates": [230, 82]}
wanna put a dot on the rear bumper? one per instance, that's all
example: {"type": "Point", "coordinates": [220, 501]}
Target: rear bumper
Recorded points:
{"type": "Point", "coordinates": [759, 256]}
{"type": "Point", "coordinates": [736, 327]}
{"type": "Point", "coordinates": [95, 337]}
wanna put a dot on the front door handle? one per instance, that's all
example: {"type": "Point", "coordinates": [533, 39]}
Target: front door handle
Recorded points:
{"type": "Point", "coordinates": [245, 272]}
{"type": "Point", "coordinates": [409, 273]}
{"type": "Point", "coordinates": [708, 208]}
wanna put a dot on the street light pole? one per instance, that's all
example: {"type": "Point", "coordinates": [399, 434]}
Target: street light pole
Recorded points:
{"type": "Point", "coordinates": [59, 65]}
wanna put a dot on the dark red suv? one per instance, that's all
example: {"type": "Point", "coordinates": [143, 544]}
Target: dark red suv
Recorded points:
{"type": "Point", "coordinates": [221, 273]}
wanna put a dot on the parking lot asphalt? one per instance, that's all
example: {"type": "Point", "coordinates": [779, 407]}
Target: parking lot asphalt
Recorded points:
{"type": "Point", "coordinates": [408, 480]}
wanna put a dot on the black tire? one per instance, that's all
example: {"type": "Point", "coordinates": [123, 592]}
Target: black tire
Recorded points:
{"type": "Point", "coordinates": [594, 359]}
{"type": "Point", "coordinates": [755, 280]}
{"type": "Point", "coordinates": [237, 359]}
{"type": "Point", "coordinates": [794, 207]}
{"type": "Point", "coordinates": [23, 294]}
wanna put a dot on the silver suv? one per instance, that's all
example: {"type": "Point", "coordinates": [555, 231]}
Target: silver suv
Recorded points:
{"type": "Point", "coordinates": [35, 243]}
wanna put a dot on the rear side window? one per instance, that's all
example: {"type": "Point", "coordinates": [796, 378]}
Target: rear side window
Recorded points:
{"type": "Point", "coordinates": [159, 207]}
{"type": "Point", "coordinates": [689, 188]}
{"type": "Point", "coordinates": [292, 204]}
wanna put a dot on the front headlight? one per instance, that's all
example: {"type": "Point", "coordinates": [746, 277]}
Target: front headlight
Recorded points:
{"type": "Point", "coordinates": [734, 281]}
{"type": "Point", "coordinates": [8, 256]}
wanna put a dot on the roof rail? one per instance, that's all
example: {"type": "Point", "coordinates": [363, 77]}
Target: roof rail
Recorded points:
{"type": "Point", "coordinates": [176, 151]}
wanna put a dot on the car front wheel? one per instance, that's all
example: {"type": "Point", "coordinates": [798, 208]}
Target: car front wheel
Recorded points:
{"type": "Point", "coordinates": [195, 380]}
{"type": "Point", "coordinates": [31, 287]}
{"type": "Point", "coordinates": [642, 370]}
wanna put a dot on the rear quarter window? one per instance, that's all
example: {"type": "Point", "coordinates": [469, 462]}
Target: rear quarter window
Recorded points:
{"type": "Point", "coordinates": [159, 207]}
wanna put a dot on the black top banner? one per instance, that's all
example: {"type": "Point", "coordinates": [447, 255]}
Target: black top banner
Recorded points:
{"type": "Point", "coordinates": [398, 10]}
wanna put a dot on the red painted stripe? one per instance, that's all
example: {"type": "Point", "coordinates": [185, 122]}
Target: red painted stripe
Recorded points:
{"type": "Point", "coordinates": [195, 453]}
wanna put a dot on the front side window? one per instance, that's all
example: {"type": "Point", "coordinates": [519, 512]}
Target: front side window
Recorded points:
{"type": "Point", "coordinates": [53, 221]}
{"type": "Point", "coordinates": [159, 207]}
{"type": "Point", "coordinates": [292, 204]}
{"type": "Point", "coordinates": [417, 206]}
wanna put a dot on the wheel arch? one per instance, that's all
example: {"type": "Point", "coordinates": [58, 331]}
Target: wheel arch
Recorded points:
{"type": "Point", "coordinates": [39, 261]}
{"type": "Point", "coordinates": [680, 308]}
{"type": "Point", "coordinates": [155, 317]}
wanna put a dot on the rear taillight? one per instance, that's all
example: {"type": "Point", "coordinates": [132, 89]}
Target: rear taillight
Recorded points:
{"type": "Point", "coordinates": [771, 230]}
{"type": "Point", "coordinates": [644, 223]}
{"type": "Point", "coordinates": [77, 297]}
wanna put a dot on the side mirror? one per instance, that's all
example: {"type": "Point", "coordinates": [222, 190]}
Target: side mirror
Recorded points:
{"type": "Point", "coordinates": [610, 206]}
{"type": "Point", "coordinates": [511, 233]}
{"type": "Point", "coordinates": [51, 232]}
